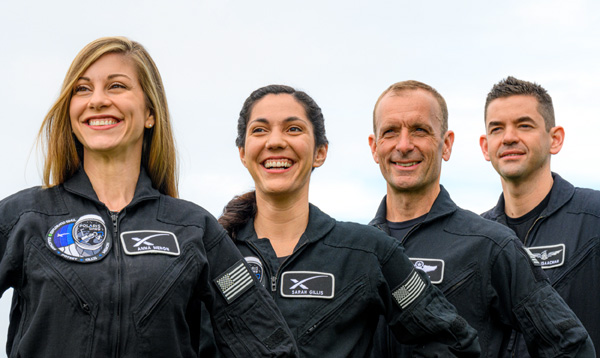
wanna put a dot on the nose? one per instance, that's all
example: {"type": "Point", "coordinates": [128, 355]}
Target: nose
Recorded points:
{"type": "Point", "coordinates": [98, 100]}
{"type": "Point", "coordinates": [276, 140]}
{"type": "Point", "coordinates": [510, 135]}
{"type": "Point", "coordinates": [405, 143]}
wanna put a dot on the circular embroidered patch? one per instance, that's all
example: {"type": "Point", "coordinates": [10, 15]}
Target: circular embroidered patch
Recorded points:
{"type": "Point", "coordinates": [256, 267]}
{"type": "Point", "coordinates": [81, 240]}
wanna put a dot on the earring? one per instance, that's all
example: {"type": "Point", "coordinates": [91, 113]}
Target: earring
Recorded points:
{"type": "Point", "coordinates": [149, 125]}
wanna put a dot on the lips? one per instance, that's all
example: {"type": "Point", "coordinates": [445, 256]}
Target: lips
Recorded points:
{"type": "Point", "coordinates": [511, 153]}
{"type": "Point", "coordinates": [279, 163]}
{"type": "Point", "coordinates": [101, 121]}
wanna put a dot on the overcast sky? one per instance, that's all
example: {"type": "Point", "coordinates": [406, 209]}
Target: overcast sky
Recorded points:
{"type": "Point", "coordinates": [343, 53]}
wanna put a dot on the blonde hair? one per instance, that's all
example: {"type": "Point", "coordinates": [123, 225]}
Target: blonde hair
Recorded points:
{"type": "Point", "coordinates": [64, 153]}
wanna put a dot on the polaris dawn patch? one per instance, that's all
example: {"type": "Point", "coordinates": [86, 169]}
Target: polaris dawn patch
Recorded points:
{"type": "Point", "coordinates": [409, 290]}
{"type": "Point", "coordinates": [234, 281]}
{"type": "Point", "coordinates": [256, 267]}
{"type": "Point", "coordinates": [549, 256]}
{"type": "Point", "coordinates": [150, 242]}
{"type": "Point", "coordinates": [434, 268]}
{"type": "Point", "coordinates": [307, 284]}
{"type": "Point", "coordinates": [81, 240]}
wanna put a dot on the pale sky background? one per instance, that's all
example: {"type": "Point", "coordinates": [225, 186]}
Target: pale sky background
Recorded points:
{"type": "Point", "coordinates": [212, 54]}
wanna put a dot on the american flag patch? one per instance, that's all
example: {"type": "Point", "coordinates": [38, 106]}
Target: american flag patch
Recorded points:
{"type": "Point", "coordinates": [410, 290]}
{"type": "Point", "coordinates": [235, 281]}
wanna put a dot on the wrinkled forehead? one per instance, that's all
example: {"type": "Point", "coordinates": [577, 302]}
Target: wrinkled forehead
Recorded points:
{"type": "Point", "coordinates": [414, 104]}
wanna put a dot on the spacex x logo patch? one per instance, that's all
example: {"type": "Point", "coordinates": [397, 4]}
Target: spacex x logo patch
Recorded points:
{"type": "Point", "coordinates": [549, 256]}
{"type": "Point", "coordinates": [433, 267]}
{"type": "Point", "coordinates": [307, 284]}
{"type": "Point", "coordinates": [150, 242]}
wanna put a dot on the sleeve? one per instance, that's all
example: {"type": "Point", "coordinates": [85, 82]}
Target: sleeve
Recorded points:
{"type": "Point", "coordinates": [525, 300]}
{"type": "Point", "coordinates": [245, 320]}
{"type": "Point", "coordinates": [419, 314]}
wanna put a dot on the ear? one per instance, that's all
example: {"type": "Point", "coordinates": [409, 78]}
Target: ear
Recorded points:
{"type": "Point", "coordinates": [150, 120]}
{"type": "Point", "coordinates": [320, 155]}
{"type": "Point", "coordinates": [448, 142]}
{"type": "Point", "coordinates": [373, 145]}
{"type": "Point", "coordinates": [484, 146]}
{"type": "Point", "coordinates": [558, 137]}
{"type": "Point", "coordinates": [243, 155]}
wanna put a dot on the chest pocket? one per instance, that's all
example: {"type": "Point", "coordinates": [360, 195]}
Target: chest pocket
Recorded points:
{"type": "Point", "coordinates": [464, 292]}
{"type": "Point", "coordinates": [55, 300]}
{"type": "Point", "coordinates": [339, 311]}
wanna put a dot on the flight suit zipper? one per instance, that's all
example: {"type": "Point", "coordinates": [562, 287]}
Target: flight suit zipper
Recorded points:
{"type": "Point", "coordinates": [115, 220]}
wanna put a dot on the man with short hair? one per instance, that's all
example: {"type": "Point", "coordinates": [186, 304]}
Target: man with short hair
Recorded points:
{"type": "Point", "coordinates": [479, 265]}
{"type": "Point", "coordinates": [558, 223]}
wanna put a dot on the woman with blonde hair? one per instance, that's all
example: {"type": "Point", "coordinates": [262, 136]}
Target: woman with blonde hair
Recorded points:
{"type": "Point", "coordinates": [104, 260]}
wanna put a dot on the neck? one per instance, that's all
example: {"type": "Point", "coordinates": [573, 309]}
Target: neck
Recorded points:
{"type": "Point", "coordinates": [522, 196]}
{"type": "Point", "coordinates": [281, 220]}
{"type": "Point", "coordinates": [113, 180]}
{"type": "Point", "coordinates": [407, 205]}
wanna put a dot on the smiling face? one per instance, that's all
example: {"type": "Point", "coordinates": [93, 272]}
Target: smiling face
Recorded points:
{"type": "Point", "coordinates": [516, 141]}
{"type": "Point", "coordinates": [408, 144]}
{"type": "Point", "coordinates": [279, 150]}
{"type": "Point", "coordinates": [108, 110]}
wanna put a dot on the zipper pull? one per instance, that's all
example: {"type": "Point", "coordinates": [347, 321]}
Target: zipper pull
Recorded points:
{"type": "Point", "coordinates": [274, 283]}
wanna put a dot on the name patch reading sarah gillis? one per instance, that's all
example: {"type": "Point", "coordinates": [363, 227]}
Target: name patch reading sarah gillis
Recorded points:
{"type": "Point", "coordinates": [82, 240]}
{"type": "Point", "coordinates": [307, 284]}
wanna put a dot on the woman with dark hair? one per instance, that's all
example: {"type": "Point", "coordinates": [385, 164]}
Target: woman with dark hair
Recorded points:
{"type": "Point", "coordinates": [103, 259]}
{"type": "Point", "coordinates": [331, 280]}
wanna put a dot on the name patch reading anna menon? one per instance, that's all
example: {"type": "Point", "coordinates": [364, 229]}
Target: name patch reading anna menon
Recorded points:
{"type": "Point", "coordinates": [150, 242]}
{"type": "Point", "coordinates": [307, 284]}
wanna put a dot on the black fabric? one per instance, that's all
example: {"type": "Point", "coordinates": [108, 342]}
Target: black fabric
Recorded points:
{"type": "Point", "coordinates": [521, 225]}
{"type": "Point", "coordinates": [571, 218]}
{"type": "Point", "coordinates": [126, 305]}
{"type": "Point", "coordinates": [366, 266]}
{"type": "Point", "coordinates": [490, 279]}
{"type": "Point", "coordinates": [400, 229]}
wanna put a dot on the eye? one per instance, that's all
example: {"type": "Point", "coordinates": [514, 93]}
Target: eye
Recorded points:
{"type": "Point", "coordinates": [257, 130]}
{"type": "Point", "coordinates": [388, 133]}
{"type": "Point", "coordinates": [80, 88]}
{"type": "Point", "coordinates": [117, 85]}
{"type": "Point", "coordinates": [494, 130]}
{"type": "Point", "coordinates": [295, 129]}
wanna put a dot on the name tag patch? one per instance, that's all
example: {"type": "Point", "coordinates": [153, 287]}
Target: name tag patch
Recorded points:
{"type": "Point", "coordinates": [149, 242]}
{"type": "Point", "coordinates": [307, 284]}
{"type": "Point", "coordinates": [82, 240]}
{"type": "Point", "coordinates": [549, 256]}
{"type": "Point", "coordinates": [432, 267]}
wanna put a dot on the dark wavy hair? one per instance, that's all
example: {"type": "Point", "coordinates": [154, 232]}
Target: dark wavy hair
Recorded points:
{"type": "Point", "coordinates": [243, 207]}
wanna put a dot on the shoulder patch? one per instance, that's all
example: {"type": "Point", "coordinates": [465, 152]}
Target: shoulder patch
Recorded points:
{"type": "Point", "coordinates": [234, 281]}
{"type": "Point", "coordinates": [549, 256]}
{"type": "Point", "coordinates": [434, 268]}
{"type": "Point", "coordinates": [149, 242]}
{"type": "Point", "coordinates": [256, 266]}
{"type": "Point", "coordinates": [82, 240]}
{"type": "Point", "coordinates": [307, 284]}
{"type": "Point", "coordinates": [408, 291]}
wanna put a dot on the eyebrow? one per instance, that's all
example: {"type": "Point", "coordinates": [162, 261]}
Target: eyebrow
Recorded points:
{"type": "Point", "coordinates": [287, 120]}
{"type": "Point", "coordinates": [518, 120]}
{"type": "Point", "coordinates": [110, 77]}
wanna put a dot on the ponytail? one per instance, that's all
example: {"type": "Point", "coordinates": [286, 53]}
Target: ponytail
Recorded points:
{"type": "Point", "coordinates": [238, 212]}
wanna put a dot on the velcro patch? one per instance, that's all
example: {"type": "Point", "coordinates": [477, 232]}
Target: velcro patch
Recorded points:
{"type": "Point", "coordinates": [409, 290]}
{"type": "Point", "coordinates": [434, 268]}
{"type": "Point", "coordinates": [149, 242]}
{"type": "Point", "coordinates": [549, 256]}
{"type": "Point", "coordinates": [235, 281]}
{"type": "Point", "coordinates": [307, 284]}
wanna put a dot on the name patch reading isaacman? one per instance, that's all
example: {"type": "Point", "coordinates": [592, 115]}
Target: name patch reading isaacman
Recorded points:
{"type": "Point", "coordinates": [549, 256]}
{"type": "Point", "coordinates": [150, 242]}
{"type": "Point", "coordinates": [307, 284]}
{"type": "Point", "coordinates": [81, 240]}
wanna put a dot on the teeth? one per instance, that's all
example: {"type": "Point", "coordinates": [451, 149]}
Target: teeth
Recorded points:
{"type": "Point", "coordinates": [102, 122]}
{"type": "Point", "coordinates": [407, 164]}
{"type": "Point", "coordinates": [279, 163]}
